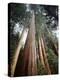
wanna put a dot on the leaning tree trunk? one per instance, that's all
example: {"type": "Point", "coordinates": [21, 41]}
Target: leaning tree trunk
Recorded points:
{"type": "Point", "coordinates": [54, 45]}
{"type": "Point", "coordinates": [30, 64]}
{"type": "Point", "coordinates": [45, 57]}
{"type": "Point", "coordinates": [15, 57]}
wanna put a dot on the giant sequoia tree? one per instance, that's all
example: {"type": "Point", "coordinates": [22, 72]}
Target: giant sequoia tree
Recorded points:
{"type": "Point", "coordinates": [30, 65]}
{"type": "Point", "coordinates": [36, 23]}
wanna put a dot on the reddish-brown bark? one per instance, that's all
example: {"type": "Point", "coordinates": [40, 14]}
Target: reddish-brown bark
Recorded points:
{"type": "Point", "coordinates": [45, 57]}
{"type": "Point", "coordinates": [30, 64]}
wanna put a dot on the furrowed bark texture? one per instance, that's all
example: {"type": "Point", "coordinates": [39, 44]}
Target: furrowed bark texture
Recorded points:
{"type": "Point", "coordinates": [45, 57]}
{"type": "Point", "coordinates": [30, 63]}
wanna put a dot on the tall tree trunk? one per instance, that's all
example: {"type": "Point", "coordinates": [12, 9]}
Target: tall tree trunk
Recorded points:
{"type": "Point", "coordinates": [30, 64]}
{"type": "Point", "coordinates": [45, 56]}
{"type": "Point", "coordinates": [15, 57]}
{"type": "Point", "coordinates": [41, 53]}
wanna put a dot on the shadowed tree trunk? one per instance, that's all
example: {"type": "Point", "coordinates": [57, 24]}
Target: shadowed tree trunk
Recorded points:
{"type": "Point", "coordinates": [30, 63]}
{"type": "Point", "coordinates": [15, 58]}
{"type": "Point", "coordinates": [45, 57]}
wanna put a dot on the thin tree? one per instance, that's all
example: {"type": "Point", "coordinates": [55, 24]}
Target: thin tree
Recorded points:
{"type": "Point", "coordinates": [16, 54]}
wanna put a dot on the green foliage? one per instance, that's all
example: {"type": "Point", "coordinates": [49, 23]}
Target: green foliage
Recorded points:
{"type": "Point", "coordinates": [17, 11]}
{"type": "Point", "coordinates": [41, 70]}
{"type": "Point", "coordinates": [53, 61]}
